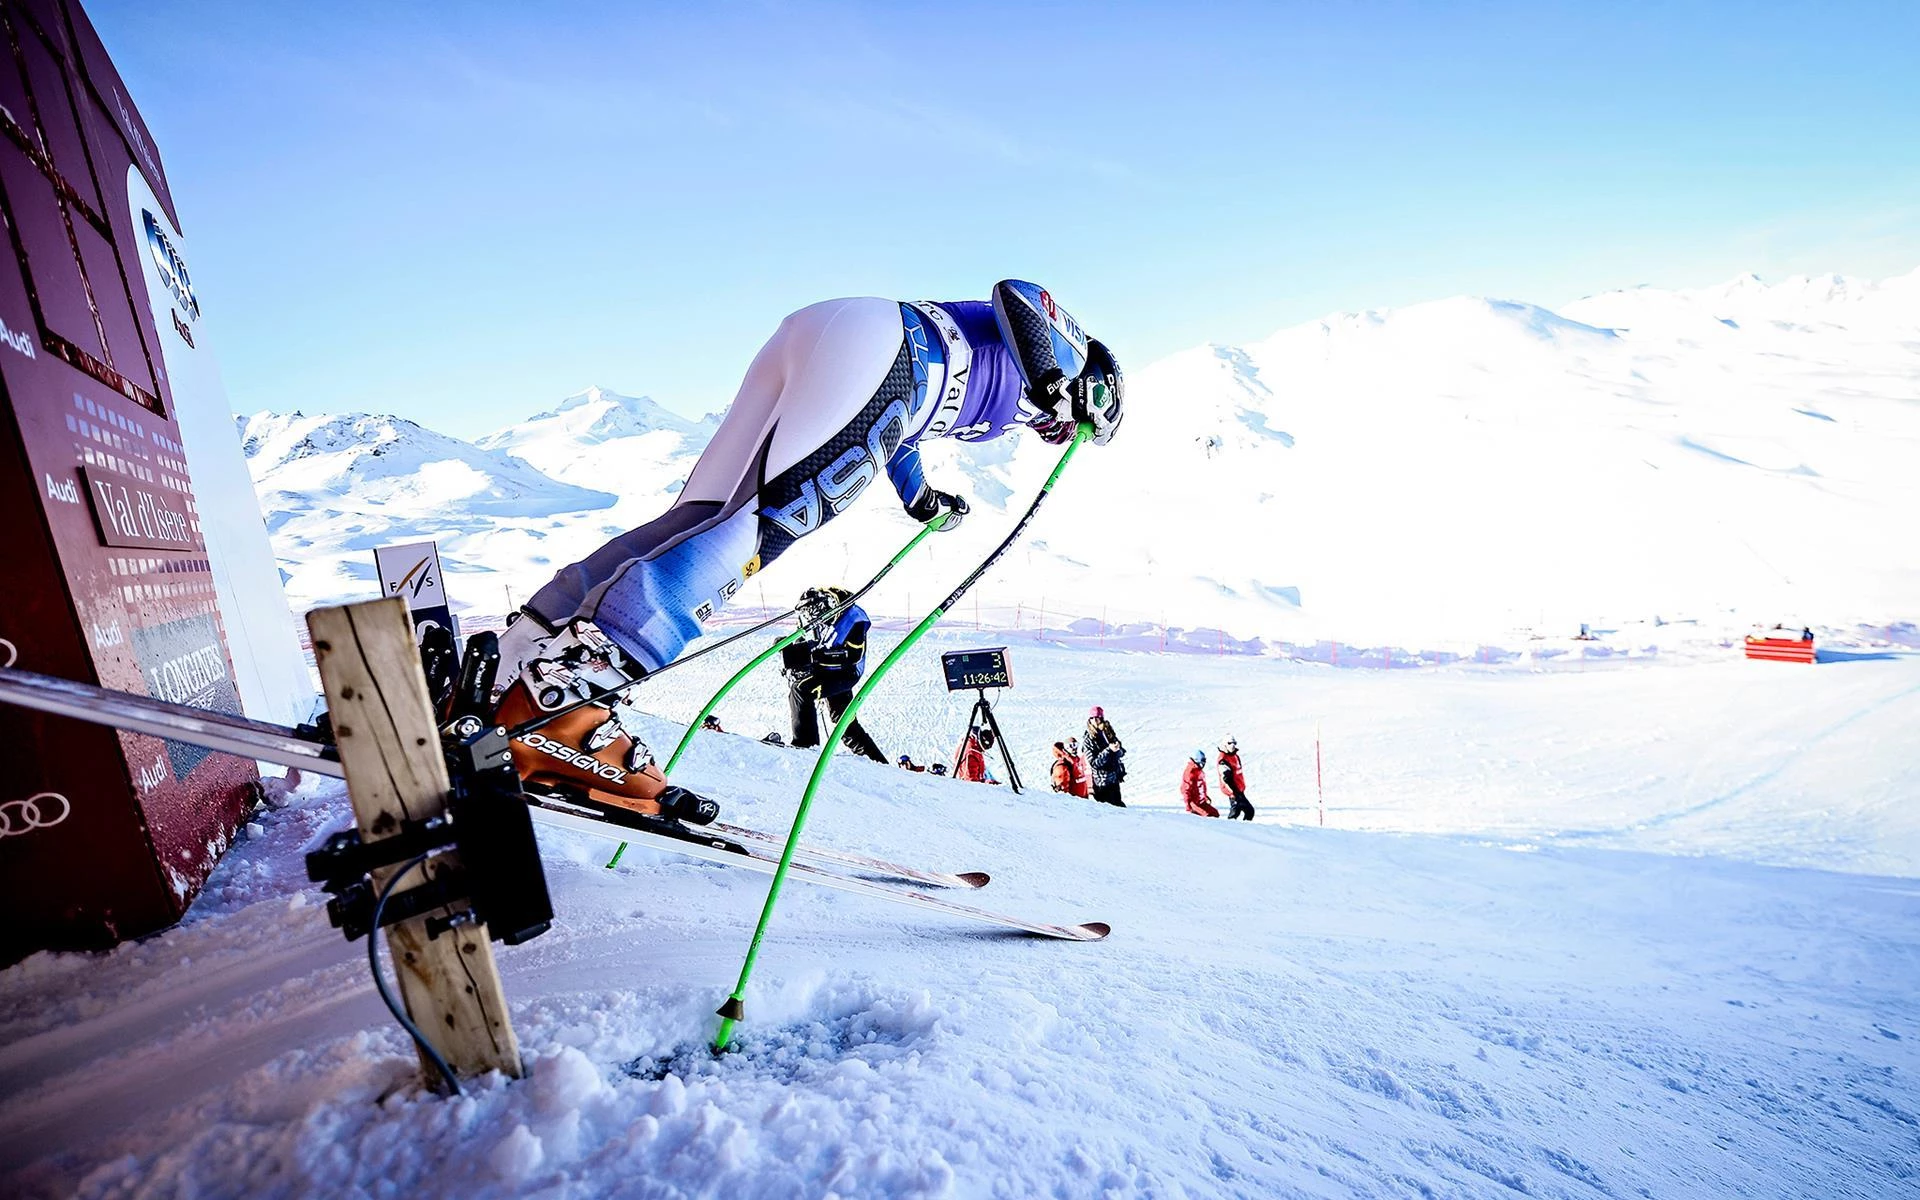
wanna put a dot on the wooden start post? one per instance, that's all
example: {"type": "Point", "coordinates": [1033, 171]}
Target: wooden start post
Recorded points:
{"type": "Point", "coordinates": [390, 752]}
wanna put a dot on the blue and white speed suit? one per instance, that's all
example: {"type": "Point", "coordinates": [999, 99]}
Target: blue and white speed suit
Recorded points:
{"type": "Point", "coordinates": [844, 391]}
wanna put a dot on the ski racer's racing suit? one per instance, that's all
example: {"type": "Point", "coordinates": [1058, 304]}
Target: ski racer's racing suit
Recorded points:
{"type": "Point", "coordinates": [844, 392]}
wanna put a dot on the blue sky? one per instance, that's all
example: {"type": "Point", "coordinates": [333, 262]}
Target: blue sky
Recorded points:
{"type": "Point", "coordinates": [462, 212]}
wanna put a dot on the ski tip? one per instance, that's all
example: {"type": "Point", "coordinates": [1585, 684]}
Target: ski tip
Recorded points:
{"type": "Point", "coordinates": [1093, 931]}
{"type": "Point", "coordinates": [975, 879]}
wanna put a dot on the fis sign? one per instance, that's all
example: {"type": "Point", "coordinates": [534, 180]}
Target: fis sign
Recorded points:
{"type": "Point", "coordinates": [412, 572]}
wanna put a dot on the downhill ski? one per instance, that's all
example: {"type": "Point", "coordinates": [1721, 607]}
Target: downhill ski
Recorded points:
{"type": "Point", "coordinates": [697, 843]}
{"type": "Point", "coordinates": [279, 744]}
{"type": "Point", "coordinates": [858, 862]}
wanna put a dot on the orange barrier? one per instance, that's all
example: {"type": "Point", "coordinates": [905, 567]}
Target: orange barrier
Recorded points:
{"type": "Point", "coordinates": [1780, 649]}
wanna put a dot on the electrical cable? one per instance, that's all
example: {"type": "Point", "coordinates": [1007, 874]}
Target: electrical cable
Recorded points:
{"type": "Point", "coordinates": [380, 984]}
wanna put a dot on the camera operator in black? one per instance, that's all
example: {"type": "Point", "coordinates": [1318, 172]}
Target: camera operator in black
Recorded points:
{"type": "Point", "coordinates": [827, 666]}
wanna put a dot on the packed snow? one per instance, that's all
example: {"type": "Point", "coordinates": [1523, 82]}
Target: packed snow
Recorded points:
{"type": "Point", "coordinates": [1639, 927]}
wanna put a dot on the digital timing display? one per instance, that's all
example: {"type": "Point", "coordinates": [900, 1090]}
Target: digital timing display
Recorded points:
{"type": "Point", "coordinates": [969, 669]}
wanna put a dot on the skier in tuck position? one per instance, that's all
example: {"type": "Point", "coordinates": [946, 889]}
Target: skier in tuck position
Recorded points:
{"type": "Point", "coordinates": [845, 391]}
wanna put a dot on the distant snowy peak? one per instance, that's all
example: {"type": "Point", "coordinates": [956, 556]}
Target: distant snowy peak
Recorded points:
{"type": "Point", "coordinates": [273, 441]}
{"type": "Point", "coordinates": [595, 416]}
{"type": "Point", "coordinates": [1461, 323]}
{"type": "Point", "coordinates": [1800, 300]}
{"type": "Point", "coordinates": [372, 460]}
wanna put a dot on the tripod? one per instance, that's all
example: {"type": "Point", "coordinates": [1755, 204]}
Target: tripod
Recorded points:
{"type": "Point", "coordinates": [981, 718]}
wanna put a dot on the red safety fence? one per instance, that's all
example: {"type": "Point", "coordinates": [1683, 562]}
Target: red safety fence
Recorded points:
{"type": "Point", "coordinates": [1781, 649]}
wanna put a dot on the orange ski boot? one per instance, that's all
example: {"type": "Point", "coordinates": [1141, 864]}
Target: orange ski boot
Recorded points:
{"type": "Point", "coordinates": [589, 753]}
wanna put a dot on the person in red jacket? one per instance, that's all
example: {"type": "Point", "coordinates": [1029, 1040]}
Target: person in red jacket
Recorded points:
{"type": "Point", "coordinates": [1065, 778]}
{"type": "Point", "coordinates": [1232, 781]}
{"type": "Point", "coordinates": [971, 764]}
{"type": "Point", "coordinates": [1193, 786]}
{"type": "Point", "coordinates": [1082, 778]}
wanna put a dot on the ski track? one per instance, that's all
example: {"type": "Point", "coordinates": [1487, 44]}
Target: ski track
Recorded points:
{"type": "Point", "coordinates": [1462, 987]}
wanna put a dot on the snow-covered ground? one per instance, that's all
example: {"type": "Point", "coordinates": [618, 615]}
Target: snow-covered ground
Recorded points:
{"type": "Point", "coordinates": [1634, 927]}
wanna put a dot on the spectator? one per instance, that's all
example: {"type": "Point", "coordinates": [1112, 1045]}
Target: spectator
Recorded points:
{"type": "Point", "coordinates": [1066, 776]}
{"type": "Point", "coordinates": [972, 762]}
{"type": "Point", "coordinates": [937, 768]}
{"type": "Point", "coordinates": [711, 724]}
{"type": "Point", "coordinates": [1082, 782]}
{"type": "Point", "coordinates": [1193, 786]}
{"type": "Point", "coordinates": [1232, 781]}
{"type": "Point", "coordinates": [905, 763]}
{"type": "Point", "coordinates": [1106, 758]}
{"type": "Point", "coordinates": [827, 667]}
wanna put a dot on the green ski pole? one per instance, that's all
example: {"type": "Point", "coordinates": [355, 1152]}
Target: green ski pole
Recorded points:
{"type": "Point", "coordinates": [734, 1009]}
{"type": "Point", "coordinates": [779, 645]}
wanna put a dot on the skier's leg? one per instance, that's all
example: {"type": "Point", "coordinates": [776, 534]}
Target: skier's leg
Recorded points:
{"type": "Point", "coordinates": [806, 719]}
{"type": "Point", "coordinates": [819, 387]}
{"type": "Point", "coordinates": [856, 738]}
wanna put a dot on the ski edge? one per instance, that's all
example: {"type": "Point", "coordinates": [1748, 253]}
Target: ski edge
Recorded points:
{"type": "Point", "coordinates": [716, 851]}
{"type": "Point", "coordinates": [961, 880]}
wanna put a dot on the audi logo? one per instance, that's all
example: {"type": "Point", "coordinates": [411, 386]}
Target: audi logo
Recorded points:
{"type": "Point", "coordinates": [19, 817]}
{"type": "Point", "coordinates": [12, 652]}
{"type": "Point", "coordinates": [172, 268]}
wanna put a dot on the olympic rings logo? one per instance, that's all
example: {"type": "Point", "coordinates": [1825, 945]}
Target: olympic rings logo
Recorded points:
{"type": "Point", "coordinates": [13, 653]}
{"type": "Point", "coordinates": [19, 817]}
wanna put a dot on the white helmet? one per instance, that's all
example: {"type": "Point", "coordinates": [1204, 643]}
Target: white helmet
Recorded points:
{"type": "Point", "coordinates": [1228, 745]}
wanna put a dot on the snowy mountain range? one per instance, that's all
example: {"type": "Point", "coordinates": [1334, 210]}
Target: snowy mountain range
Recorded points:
{"type": "Point", "coordinates": [1452, 470]}
{"type": "Point", "coordinates": [597, 436]}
